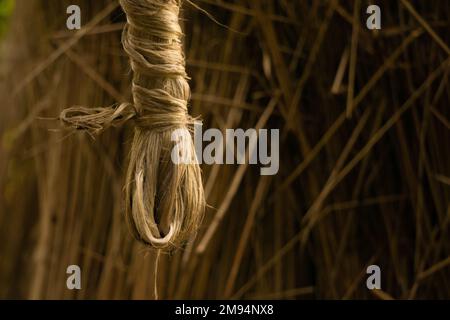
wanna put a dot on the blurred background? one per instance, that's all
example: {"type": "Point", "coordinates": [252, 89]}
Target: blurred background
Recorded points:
{"type": "Point", "coordinates": [364, 175]}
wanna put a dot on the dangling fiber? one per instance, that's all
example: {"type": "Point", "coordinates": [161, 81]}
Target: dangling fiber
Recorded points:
{"type": "Point", "coordinates": [164, 201]}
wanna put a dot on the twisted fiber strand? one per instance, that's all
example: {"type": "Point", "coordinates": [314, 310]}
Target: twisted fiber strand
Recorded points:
{"type": "Point", "coordinates": [164, 201]}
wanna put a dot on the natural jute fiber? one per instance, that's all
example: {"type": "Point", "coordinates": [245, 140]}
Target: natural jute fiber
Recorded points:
{"type": "Point", "coordinates": [164, 200]}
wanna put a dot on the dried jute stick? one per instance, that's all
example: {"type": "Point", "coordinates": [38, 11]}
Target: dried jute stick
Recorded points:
{"type": "Point", "coordinates": [164, 200]}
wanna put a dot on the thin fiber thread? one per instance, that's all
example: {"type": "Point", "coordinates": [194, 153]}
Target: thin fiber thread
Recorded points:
{"type": "Point", "coordinates": [164, 201]}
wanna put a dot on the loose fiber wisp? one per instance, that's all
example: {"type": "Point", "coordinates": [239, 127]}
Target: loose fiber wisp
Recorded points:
{"type": "Point", "coordinates": [164, 200]}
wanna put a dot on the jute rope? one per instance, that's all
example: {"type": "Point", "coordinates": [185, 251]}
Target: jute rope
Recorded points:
{"type": "Point", "coordinates": [164, 201]}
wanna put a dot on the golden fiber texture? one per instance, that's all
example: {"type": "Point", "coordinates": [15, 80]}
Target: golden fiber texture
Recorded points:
{"type": "Point", "coordinates": [164, 200]}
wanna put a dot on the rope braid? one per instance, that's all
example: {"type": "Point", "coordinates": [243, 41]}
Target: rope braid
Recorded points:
{"type": "Point", "coordinates": [164, 201]}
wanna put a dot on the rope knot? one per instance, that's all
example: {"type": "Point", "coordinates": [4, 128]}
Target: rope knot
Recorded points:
{"type": "Point", "coordinates": [159, 110]}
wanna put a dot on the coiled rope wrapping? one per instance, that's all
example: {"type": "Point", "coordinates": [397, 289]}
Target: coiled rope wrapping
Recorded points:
{"type": "Point", "coordinates": [164, 201]}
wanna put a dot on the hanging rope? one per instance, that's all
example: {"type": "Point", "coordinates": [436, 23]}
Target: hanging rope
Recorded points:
{"type": "Point", "coordinates": [164, 201]}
